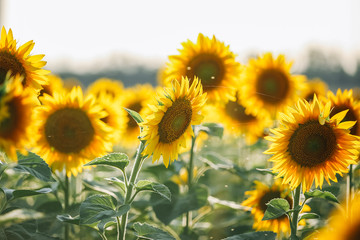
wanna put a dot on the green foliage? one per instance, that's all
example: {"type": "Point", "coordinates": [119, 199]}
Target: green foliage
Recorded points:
{"type": "Point", "coordinates": [212, 129]}
{"type": "Point", "coordinates": [254, 236]}
{"type": "Point", "coordinates": [12, 194]}
{"type": "Point", "coordinates": [321, 194]}
{"type": "Point", "coordinates": [147, 185]}
{"type": "Point", "coordinates": [146, 231]}
{"type": "Point", "coordinates": [277, 207]}
{"type": "Point", "coordinates": [136, 116]}
{"type": "Point", "coordinates": [118, 160]}
{"type": "Point", "coordinates": [308, 216]}
{"type": "Point", "coordinates": [34, 165]}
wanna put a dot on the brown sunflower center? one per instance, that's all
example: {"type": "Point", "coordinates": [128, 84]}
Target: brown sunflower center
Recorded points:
{"type": "Point", "coordinates": [272, 86]}
{"type": "Point", "coordinates": [310, 96]}
{"type": "Point", "coordinates": [9, 62]}
{"type": "Point", "coordinates": [208, 68]}
{"type": "Point", "coordinates": [350, 116]}
{"type": "Point", "coordinates": [175, 121]}
{"type": "Point", "coordinates": [237, 112]}
{"type": "Point", "coordinates": [11, 123]}
{"type": "Point", "coordinates": [268, 196]}
{"type": "Point", "coordinates": [354, 233]}
{"type": "Point", "coordinates": [135, 107]}
{"type": "Point", "coordinates": [69, 130]}
{"type": "Point", "coordinates": [312, 144]}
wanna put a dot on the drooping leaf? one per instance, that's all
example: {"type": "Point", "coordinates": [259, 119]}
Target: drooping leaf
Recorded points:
{"type": "Point", "coordinates": [161, 189]}
{"type": "Point", "coordinates": [216, 161]}
{"type": "Point", "coordinates": [321, 194]}
{"type": "Point", "coordinates": [308, 216]}
{"type": "Point", "coordinates": [118, 160]}
{"type": "Point", "coordinates": [34, 165]}
{"type": "Point", "coordinates": [276, 208]}
{"type": "Point", "coordinates": [13, 194]}
{"type": "Point", "coordinates": [212, 129]}
{"type": "Point", "coordinates": [253, 236]}
{"type": "Point", "coordinates": [147, 231]}
{"type": "Point", "coordinates": [69, 219]}
{"type": "Point", "coordinates": [136, 116]}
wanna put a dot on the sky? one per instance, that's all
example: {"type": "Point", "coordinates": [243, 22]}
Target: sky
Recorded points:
{"type": "Point", "coordinates": [83, 34]}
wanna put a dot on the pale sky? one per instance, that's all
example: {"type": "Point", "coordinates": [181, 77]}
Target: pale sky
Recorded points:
{"type": "Point", "coordinates": [80, 32]}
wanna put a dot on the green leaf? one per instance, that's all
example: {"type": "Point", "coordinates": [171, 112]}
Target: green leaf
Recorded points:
{"type": "Point", "coordinates": [117, 182]}
{"type": "Point", "coordinates": [321, 194]}
{"type": "Point", "coordinates": [118, 160]}
{"type": "Point", "coordinates": [265, 171]}
{"type": "Point", "coordinates": [3, 200]}
{"type": "Point", "coordinates": [161, 189]}
{"type": "Point", "coordinates": [308, 216]}
{"type": "Point", "coordinates": [96, 207]}
{"type": "Point", "coordinates": [147, 231]}
{"type": "Point", "coordinates": [212, 129]}
{"type": "Point", "coordinates": [216, 161]}
{"type": "Point", "coordinates": [34, 165]}
{"type": "Point", "coordinates": [253, 236]}
{"type": "Point", "coordinates": [181, 203]}
{"type": "Point", "coordinates": [2, 168]}
{"type": "Point", "coordinates": [69, 219]}
{"type": "Point", "coordinates": [13, 194]}
{"type": "Point", "coordinates": [17, 216]}
{"type": "Point", "coordinates": [136, 116]}
{"type": "Point", "coordinates": [276, 208]}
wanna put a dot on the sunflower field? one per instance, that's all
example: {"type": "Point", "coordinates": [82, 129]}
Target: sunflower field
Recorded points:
{"type": "Point", "coordinates": [217, 150]}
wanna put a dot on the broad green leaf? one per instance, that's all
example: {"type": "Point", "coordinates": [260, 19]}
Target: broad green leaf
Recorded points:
{"type": "Point", "coordinates": [117, 182]}
{"type": "Point", "coordinates": [17, 216]}
{"type": "Point", "coordinates": [2, 168]}
{"type": "Point", "coordinates": [69, 219]}
{"type": "Point", "coordinates": [136, 116]}
{"type": "Point", "coordinates": [118, 160]}
{"type": "Point", "coordinates": [181, 203]}
{"type": "Point", "coordinates": [34, 165]}
{"type": "Point", "coordinates": [3, 200]}
{"type": "Point", "coordinates": [13, 194]}
{"type": "Point", "coordinates": [308, 216]}
{"type": "Point", "coordinates": [276, 208]}
{"type": "Point", "coordinates": [96, 207]}
{"type": "Point", "coordinates": [147, 231]}
{"type": "Point", "coordinates": [212, 129]}
{"type": "Point", "coordinates": [253, 236]}
{"type": "Point", "coordinates": [216, 161]}
{"type": "Point", "coordinates": [321, 194]}
{"type": "Point", "coordinates": [28, 230]}
{"type": "Point", "coordinates": [158, 188]}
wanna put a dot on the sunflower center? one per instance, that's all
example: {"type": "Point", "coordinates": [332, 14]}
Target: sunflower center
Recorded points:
{"type": "Point", "coordinates": [272, 86]}
{"type": "Point", "coordinates": [354, 232]}
{"type": "Point", "coordinates": [237, 112]}
{"type": "Point", "coordinates": [175, 121]}
{"type": "Point", "coordinates": [135, 107]}
{"type": "Point", "coordinates": [312, 144]}
{"type": "Point", "coordinates": [9, 62]}
{"type": "Point", "coordinates": [10, 124]}
{"type": "Point", "coordinates": [208, 68]}
{"type": "Point", "coordinates": [69, 130]}
{"type": "Point", "coordinates": [350, 116]}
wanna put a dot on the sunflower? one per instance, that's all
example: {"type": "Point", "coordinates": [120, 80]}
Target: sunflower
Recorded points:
{"type": "Point", "coordinates": [232, 114]}
{"type": "Point", "coordinates": [19, 61]}
{"type": "Point", "coordinates": [55, 84]}
{"type": "Point", "coordinates": [342, 225]}
{"type": "Point", "coordinates": [109, 86]}
{"type": "Point", "coordinates": [116, 118]}
{"type": "Point", "coordinates": [16, 107]}
{"type": "Point", "coordinates": [169, 124]}
{"type": "Point", "coordinates": [343, 101]}
{"type": "Point", "coordinates": [309, 145]}
{"type": "Point", "coordinates": [69, 130]}
{"type": "Point", "coordinates": [136, 98]}
{"type": "Point", "coordinates": [268, 86]}
{"type": "Point", "coordinates": [314, 86]}
{"type": "Point", "coordinates": [257, 200]}
{"type": "Point", "coordinates": [208, 59]}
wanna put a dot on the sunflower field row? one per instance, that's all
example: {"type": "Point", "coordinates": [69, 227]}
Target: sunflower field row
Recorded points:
{"type": "Point", "coordinates": [218, 150]}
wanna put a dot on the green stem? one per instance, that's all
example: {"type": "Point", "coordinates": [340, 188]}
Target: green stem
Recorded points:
{"type": "Point", "coordinates": [350, 185]}
{"type": "Point", "coordinates": [134, 174]}
{"type": "Point", "coordinates": [295, 215]}
{"type": "Point", "coordinates": [118, 227]}
{"type": "Point", "coordinates": [66, 198]}
{"type": "Point", "coordinates": [190, 180]}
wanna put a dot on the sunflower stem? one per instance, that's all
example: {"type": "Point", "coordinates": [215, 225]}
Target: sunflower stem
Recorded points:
{"type": "Point", "coordinates": [295, 215]}
{"type": "Point", "coordinates": [128, 195]}
{"type": "Point", "coordinates": [350, 185]}
{"type": "Point", "coordinates": [66, 202]}
{"type": "Point", "coordinates": [190, 178]}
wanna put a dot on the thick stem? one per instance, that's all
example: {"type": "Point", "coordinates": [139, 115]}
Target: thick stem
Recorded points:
{"type": "Point", "coordinates": [134, 174]}
{"type": "Point", "coordinates": [190, 180]}
{"type": "Point", "coordinates": [295, 214]}
{"type": "Point", "coordinates": [66, 202]}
